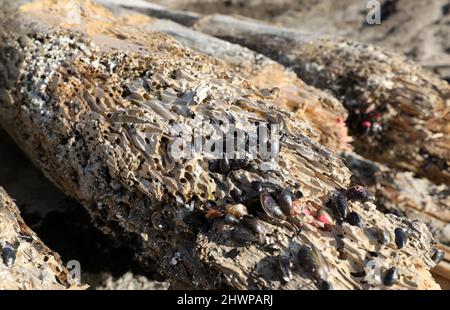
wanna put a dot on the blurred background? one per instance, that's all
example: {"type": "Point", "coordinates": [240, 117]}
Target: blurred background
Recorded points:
{"type": "Point", "coordinates": [419, 29]}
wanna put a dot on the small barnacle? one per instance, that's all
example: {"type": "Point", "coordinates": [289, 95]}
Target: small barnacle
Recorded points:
{"type": "Point", "coordinates": [438, 256]}
{"type": "Point", "coordinates": [359, 193]}
{"type": "Point", "coordinates": [270, 207]}
{"type": "Point", "coordinates": [9, 254]}
{"type": "Point", "coordinates": [342, 205]}
{"type": "Point", "coordinates": [391, 276]}
{"type": "Point", "coordinates": [266, 92]}
{"type": "Point", "coordinates": [401, 237]}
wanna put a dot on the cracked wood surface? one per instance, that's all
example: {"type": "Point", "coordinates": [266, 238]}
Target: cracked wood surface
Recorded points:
{"type": "Point", "coordinates": [323, 112]}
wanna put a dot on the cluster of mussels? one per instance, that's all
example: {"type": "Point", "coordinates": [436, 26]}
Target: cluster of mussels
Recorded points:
{"type": "Point", "coordinates": [359, 193]}
{"type": "Point", "coordinates": [267, 201]}
{"type": "Point", "coordinates": [282, 207]}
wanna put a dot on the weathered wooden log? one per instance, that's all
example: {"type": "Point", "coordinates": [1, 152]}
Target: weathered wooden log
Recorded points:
{"type": "Point", "coordinates": [399, 112]}
{"type": "Point", "coordinates": [26, 262]}
{"type": "Point", "coordinates": [99, 106]}
{"type": "Point", "coordinates": [393, 188]}
{"type": "Point", "coordinates": [394, 104]}
{"type": "Point", "coordinates": [322, 111]}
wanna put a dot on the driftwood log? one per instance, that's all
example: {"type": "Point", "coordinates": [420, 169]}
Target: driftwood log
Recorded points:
{"type": "Point", "coordinates": [399, 112]}
{"type": "Point", "coordinates": [323, 112]}
{"type": "Point", "coordinates": [95, 102]}
{"type": "Point", "coordinates": [394, 104]}
{"type": "Point", "coordinates": [26, 262]}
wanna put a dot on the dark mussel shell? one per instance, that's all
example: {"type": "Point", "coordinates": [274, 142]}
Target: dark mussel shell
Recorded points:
{"type": "Point", "coordinates": [354, 219]}
{"type": "Point", "coordinates": [231, 219]}
{"type": "Point", "coordinates": [213, 165]}
{"type": "Point", "coordinates": [342, 206]}
{"type": "Point", "coordinates": [257, 186]}
{"type": "Point", "coordinates": [284, 262]}
{"type": "Point", "coordinates": [245, 235]}
{"type": "Point", "coordinates": [383, 236]}
{"type": "Point", "coordinates": [401, 237]}
{"type": "Point", "coordinates": [236, 164]}
{"type": "Point", "coordinates": [359, 193]}
{"type": "Point", "coordinates": [311, 260]}
{"type": "Point", "coordinates": [298, 194]}
{"type": "Point", "coordinates": [253, 224]}
{"type": "Point", "coordinates": [391, 276]}
{"type": "Point", "coordinates": [270, 207]}
{"type": "Point", "coordinates": [9, 255]}
{"type": "Point", "coordinates": [284, 199]}
{"type": "Point", "coordinates": [438, 256]}
{"type": "Point", "coordinates": [224, 165]}
{"type": "Point", "coordinates": [159, 222]}
{"type": "Point", "coordinates": [221, 166]}
{"type": "Point", "coordinates": [305, 258]}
